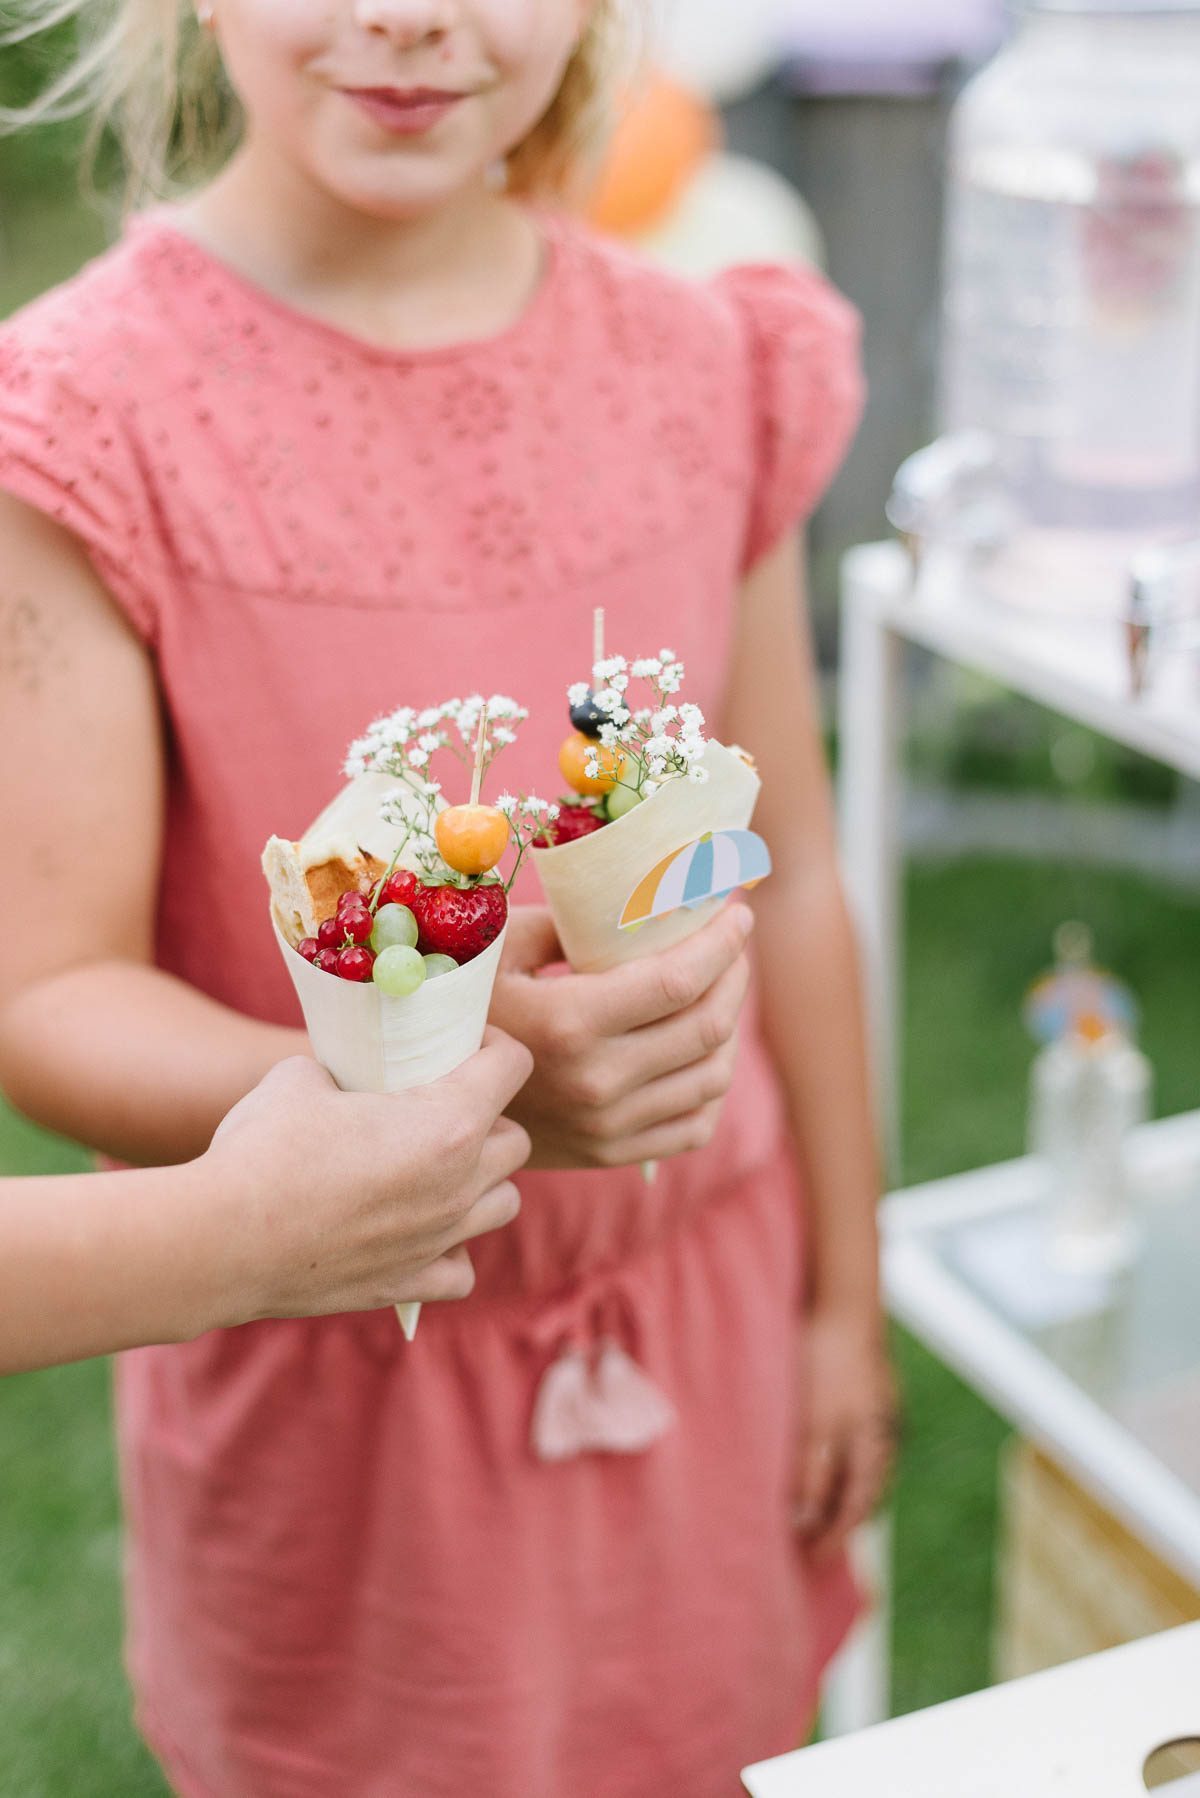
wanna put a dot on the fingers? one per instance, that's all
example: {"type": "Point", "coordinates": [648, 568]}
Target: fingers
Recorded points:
{"type": "Point", "coordinates": [703, 1030]}
{"type": "Point", "coordinates": [673, 1096]}
{"type": "Point", "coordinates": [491, 1199]}
{"type": "Point", "coordinates": [659, 986]}
{"type": "Point", "coordinates": [496, 1209]}
{"type": "Point", "coordinates": [504, 1153]}
{"type": "Point", "coordinates": [865, 1458]}
{"type": "Point", "coordinates": [677, 1136]}
{"type": "Point", "coordinates": [450, 1277]}
{"type": "Point", "coordinates": [816, 1480]}
{"type": "Point", "coordinates": [488, 1083]}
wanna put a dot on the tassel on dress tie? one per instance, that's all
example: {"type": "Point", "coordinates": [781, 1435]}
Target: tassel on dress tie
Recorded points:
{"type": "Point", "coordinates": [593, 1398]}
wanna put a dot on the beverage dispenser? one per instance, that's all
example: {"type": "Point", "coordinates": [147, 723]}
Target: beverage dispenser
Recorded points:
{"type": "Point", "coordinates": [1071, 328]}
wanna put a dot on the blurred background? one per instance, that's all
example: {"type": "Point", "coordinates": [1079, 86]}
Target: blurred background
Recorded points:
{"type": "Point", "coordinates": [801, 129]}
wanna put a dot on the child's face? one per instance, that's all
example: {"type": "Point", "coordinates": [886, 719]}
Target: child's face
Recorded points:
{"type": "Point", "coordinates": [394, 106]}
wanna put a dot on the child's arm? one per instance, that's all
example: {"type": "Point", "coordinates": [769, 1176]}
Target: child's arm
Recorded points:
{"type": "Point", "coordinates": [813, 1018]}
{"type": "Point", "coordinates": [99, 1045]}
{"type": "Point", "coordinates": [94, 1042]}
{"type": "Point", "coordinates": [308, 1201]}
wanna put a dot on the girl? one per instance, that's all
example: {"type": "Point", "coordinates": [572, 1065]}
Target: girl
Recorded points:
{"type": "Point", "coordinates": [357, 422]}
{"type": "Point", "coordinates": [91, 1264]}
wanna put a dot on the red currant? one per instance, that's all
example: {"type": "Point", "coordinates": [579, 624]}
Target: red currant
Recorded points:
{"type": "Point", "coordinates": [308, 948]}
{"type": "Point", "coordinates": [400, 888]}
{"type": "Point", "coordinates": [331, 934]}
{"type": "Point", "coordinates": [352, 901]}
{"type": "Point", "coordinates": [355, 964]}
{"type": "Point", "coordinates": [357, 925]}
{"type": "Point", "coordinates": [326, 960]}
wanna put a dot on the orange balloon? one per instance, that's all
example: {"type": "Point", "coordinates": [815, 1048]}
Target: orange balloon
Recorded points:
{"type": "Point", "coordinates": [471, 838]}
{"type": "Point", "coordinates": [664, 135]}
{"type": "Point", "coordinates": [574, 757]}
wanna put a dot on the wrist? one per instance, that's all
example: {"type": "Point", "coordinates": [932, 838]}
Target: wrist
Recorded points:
{"type": "Point", "coordinates": [219, 1290]}
{"type": "Point", "coordinates": [859, 1308]}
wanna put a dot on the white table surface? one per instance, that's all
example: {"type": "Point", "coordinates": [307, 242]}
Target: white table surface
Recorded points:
{"type": "Point", "coordinates": [1082, 1731]}
{"type": "Point", "coordinates": [1079, 668]}
{"type": "Point", "coordinates": [1109, 1385]}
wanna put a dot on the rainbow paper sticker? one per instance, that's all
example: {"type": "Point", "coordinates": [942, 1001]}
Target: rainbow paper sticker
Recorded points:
{"type": "Point", "coordinates": [710, 868]}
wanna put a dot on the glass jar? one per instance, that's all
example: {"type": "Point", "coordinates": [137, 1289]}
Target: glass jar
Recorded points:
{"type": "Point", "coordinates": [1072, 293]}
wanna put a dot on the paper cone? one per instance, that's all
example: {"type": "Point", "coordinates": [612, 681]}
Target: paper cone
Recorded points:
{"type": "Point", "coordinates": [371, 1043]}
{"type": "Point", "coordinates": [588, 882]}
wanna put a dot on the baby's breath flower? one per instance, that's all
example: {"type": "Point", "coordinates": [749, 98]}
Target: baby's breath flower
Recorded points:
{"type": "Point", "coordinates": [697, 775]}
{"type": "Point", "coordinates": [507, 803]}
{"type": "Point", "coordinates": [646, 668]}
{"type": "Point", "coordinates": [577, 692]}
{"type": "Point", "coordinates": [500, 705]}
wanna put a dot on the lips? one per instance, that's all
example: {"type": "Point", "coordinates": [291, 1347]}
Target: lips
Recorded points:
{"type": "Point", "coordinates": [408, 112]}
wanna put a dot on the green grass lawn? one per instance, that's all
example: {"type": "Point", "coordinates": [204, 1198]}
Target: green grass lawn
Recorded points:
{"type": "Point", "coordinates": [977, 934]}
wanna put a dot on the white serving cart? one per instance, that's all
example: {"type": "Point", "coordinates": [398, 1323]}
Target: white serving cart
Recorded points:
{"type": "Point", "coordinates": [1104, 1375]}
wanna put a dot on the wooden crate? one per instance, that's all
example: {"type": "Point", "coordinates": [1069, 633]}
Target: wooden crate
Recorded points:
{"type": "Point", "coordinates": [1072, 1580]}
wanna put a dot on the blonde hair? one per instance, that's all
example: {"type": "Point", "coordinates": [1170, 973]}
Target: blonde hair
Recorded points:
{"type": "Point", "coordinates": [149, 74]}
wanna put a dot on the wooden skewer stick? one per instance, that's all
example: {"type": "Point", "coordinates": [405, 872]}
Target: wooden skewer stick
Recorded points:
{"type": "Point", "coordinates": [480, 746]}
{"type": "Point", "coordinates": [597, 636]}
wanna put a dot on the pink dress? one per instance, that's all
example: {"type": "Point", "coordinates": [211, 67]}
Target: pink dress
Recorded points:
{"type": "Point", "coordinates": [350, 1571]}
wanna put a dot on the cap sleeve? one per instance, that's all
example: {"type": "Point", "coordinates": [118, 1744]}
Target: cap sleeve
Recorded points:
{"type": "Point", "coordinates": [806, 393]}
{"type": "Point", "coordinates": [70, 455]}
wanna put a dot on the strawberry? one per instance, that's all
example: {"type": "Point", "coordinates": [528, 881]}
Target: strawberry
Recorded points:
{"type": "Point", "coordinates": [459, 921]}
{"type": "Point", "coordinates": [573, 822]}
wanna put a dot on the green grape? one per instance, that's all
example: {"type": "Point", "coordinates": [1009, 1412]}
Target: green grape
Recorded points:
{"type": "Point", "coordinates": [620, 801]}
{"type": "Point", "coordinates": [398, 970]}
{"type": "Point", "coordinates": [439, 964]}
{"type": "Point", "coordinates": [395, 927]}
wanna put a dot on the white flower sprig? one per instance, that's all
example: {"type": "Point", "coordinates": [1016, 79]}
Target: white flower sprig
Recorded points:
{"type": "Point", "coordinates": [405, 743]}
{"type": "Point", "coordinates": [414, 737]}
{"type": "Point", "coordinates": [659, 742]}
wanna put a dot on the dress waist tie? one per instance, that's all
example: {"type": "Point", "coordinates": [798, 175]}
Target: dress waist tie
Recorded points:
{"type": "Point", "coordinates": [593, 1398]}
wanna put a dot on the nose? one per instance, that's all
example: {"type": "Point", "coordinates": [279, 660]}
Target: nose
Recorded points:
{"type": "Point", "coordinates": [406, 23]}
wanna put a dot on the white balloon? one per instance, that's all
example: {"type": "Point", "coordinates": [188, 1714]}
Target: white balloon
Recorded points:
{"type": "Point", "coordinates": [732, 211]}
{"type": "Point", "coordinates": [721, 48]}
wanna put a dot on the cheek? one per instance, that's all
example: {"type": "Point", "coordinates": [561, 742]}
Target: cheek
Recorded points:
{"type": "Point", "coordinates": [268, 44]}
{"type": "Point", "coordinates": [529, 43]}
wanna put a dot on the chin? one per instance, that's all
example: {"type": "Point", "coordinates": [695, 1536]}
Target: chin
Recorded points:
{"type": "Point", "coordinates": [399, 187]}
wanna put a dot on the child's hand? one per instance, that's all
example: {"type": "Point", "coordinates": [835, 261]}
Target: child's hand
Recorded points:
{"type": "Point", "coordinates": [351, 1202]}
{"type": "Point", "coordinates": [632, 1065]}
{"type": "Point", "coordinates": [847, 1425]}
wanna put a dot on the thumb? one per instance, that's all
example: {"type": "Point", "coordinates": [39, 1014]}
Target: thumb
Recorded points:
{"type": "Point", "coordinates": [532, 942]}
